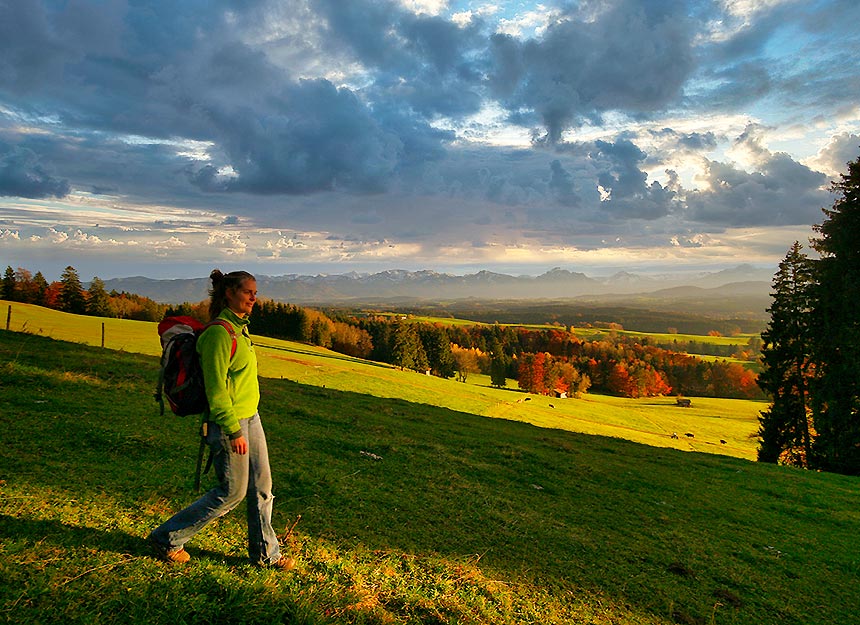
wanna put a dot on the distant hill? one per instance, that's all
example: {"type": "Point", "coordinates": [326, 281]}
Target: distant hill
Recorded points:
{"type": "Point", "coordinates": [744, 285]}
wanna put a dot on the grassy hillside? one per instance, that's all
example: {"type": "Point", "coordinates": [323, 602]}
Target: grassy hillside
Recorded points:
{"type": "Point", "coordinates": [651, 420]}
{"type": "Point", "coordinates": [456, 518]}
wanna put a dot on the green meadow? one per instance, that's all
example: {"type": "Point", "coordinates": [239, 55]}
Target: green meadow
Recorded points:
{"type": "Point", "coordinates": [651, 421]}
{"type": "Point", "coordinates": [475, 507]}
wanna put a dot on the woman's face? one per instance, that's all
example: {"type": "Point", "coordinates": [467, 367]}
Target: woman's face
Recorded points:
{"type": "Point", "coordinates": [241, 300]}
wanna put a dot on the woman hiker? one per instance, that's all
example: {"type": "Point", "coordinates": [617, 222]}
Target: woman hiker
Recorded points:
{"type": "Point", "coordinates": [235, 434]}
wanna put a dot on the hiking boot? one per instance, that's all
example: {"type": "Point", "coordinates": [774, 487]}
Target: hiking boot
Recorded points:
{"type": "Point", "coordinates": [174, 556]}
{"type": "Point", "coordinates": [284, 563]}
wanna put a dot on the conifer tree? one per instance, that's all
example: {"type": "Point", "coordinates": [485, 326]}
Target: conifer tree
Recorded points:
{"type": "Point", "coordinates": [71, 297]}
{"type": "Point", "coordinates": [437, 347]}
{"type": "Point", "coordinates": [407, 352]}
{"type": "Point", "coordinates": [98, 301]}
{"type": "Point", "coordinates": [498, 364]}
{"type": "Point", "coordinates": [836, 315]}
{"type": "Point", "coordinates": [40, 289]}
{"type": "Point", "coordinates": [8, 292]}
{"type": "Point", "coordinates": [784, 429]}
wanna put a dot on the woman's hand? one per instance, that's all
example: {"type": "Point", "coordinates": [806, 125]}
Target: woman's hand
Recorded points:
{"type": "Point", "coordinates": [239, 445]}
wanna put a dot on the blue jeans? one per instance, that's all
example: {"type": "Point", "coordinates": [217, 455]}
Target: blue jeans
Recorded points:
{"type": "Point", "coordinates": [238, 476]}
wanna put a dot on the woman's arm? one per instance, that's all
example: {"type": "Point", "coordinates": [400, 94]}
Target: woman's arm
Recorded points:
{"type": "Point", "coordinates": [214, 347]}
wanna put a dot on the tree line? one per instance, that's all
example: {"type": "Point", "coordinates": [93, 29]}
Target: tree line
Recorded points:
{"type": "Point", "coordinates": [546, 361]}
{"type": "Point", "coordinates": [811, 352]}
{"type": "Point", "coordinates": [69, 295]}
{"type": "Point", "coordinates": [550, 361]}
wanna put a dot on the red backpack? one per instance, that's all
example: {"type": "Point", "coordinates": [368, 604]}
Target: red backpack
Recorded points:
{"type": "Point", "coordinates": [180, 379]}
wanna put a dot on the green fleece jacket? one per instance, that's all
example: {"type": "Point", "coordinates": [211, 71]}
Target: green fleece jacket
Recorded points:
{"type": "Point", "coordinates": [232, 387]}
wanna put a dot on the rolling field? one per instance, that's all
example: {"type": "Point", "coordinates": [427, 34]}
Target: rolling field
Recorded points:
{"type": "Point", "coordinates": [409, 512]}
{"type": "Point", "coordinates": [651, 421]}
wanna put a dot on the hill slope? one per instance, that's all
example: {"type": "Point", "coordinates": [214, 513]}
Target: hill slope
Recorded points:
{"type": "Point", "coordinates": [455, 518]}
{"type": "Point", "coordinates": [649, 420]}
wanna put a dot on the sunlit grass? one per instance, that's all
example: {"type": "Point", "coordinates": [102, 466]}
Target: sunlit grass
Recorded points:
{"type": "Point", "coordinates": [455, 518]}
{"type": "Point", "coordinates": [649, 421]}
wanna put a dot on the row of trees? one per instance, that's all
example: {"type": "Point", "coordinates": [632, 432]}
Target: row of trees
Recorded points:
{"type": "Point", "coordinates": [542, 361]}
{"type": "Point", "coordinates": [639, 371]}
{"type": "Point", "coordinates": [545, 361]}
{"type": "Point", "coordinates": [812, 345]}
{"type": "Point", "coordinates": [69, 295]}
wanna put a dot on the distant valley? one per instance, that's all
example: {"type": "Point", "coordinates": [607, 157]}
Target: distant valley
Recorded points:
{"type": "Point", "coordinates": [724, 301]}
{"type": "Point", "coordinates": [743, 289]}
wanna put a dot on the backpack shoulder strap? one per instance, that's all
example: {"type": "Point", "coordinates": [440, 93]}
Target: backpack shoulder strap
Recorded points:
{"type": "Point", "coordinates": [227, 326]}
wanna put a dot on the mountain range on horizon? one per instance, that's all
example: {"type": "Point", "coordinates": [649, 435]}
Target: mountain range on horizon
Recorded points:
{"type": "Point", "coordinates": [743, 281]}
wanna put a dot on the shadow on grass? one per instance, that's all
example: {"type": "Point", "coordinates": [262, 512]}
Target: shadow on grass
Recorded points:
{"type": "Point", "coordinates": [569, 512]}
{"type": "Point", "coordinates": [59, 534]}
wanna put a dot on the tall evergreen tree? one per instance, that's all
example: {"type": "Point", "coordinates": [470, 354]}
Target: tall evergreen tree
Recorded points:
{"type": "Point", "coordinates": [98, 301]}
{"type": "Point", "coordinates": [498, 364]}
{"type": "Point", "coordinates": [407, 352]}
{"type": "Point", "coordinates": [72, 292]}
{"type": "Point", "coordinates": [437, 347]}
{"type": "Point", "coordinates": [784, 428]}
{"type": "Point", "coordinates": [40, 289]}
{"type": "Point", "coordinates": [836, 314]}
{"type": "Point", "coordinates": [8, 291]}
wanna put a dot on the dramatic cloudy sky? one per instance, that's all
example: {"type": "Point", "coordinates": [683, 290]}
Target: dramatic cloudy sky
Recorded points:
{"type": "Point", "coordinates": [167, 137]}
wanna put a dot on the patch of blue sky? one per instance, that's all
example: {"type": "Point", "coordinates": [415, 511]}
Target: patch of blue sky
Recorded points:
{"type": "Point", "coordinates": [498, 12]}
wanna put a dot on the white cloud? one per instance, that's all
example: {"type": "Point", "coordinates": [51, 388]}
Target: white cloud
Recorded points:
{"type": "Point", "coordinates": [529, 23]}
{"type": "Point", "coordinates": [83, 237]}
{"type": "Point", "coordinates": [833, 157]}
{"type": "Point", "coordinates": [57, 237]}
{"type": "Point", "coordinates": [739, 16]}
{"type": "Point", "coordinates": [746, 9]}
{"type": "Point", "coordinates": [430, 7]}
{"type": "Point", "coordinates": [463, 18]}
{"type": "Point", "coordinates": [170, 243]}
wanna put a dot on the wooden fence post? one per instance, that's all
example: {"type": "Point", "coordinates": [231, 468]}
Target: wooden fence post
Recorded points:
{"type": "Point", "coordinates": [103, 333]}
{"type": "Point", "coordinates": [8, 317]}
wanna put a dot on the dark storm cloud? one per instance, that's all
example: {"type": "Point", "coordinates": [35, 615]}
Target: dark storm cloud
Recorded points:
{"type": "Point", "coordinates": [619, 174]}
{"type": "Point", "coordinates": [698, 141]}
{"type": "Point", "coordinates": [562, 185]}
{"type": "Point", "coordinates": [167, 70]}
{"type": "Point", "coordinates": [328, 140]}
{"type": "Point", "coordinates": [632, 57]}
{"type": "Point", "coordinates": [23, 175]}
{"type": "Point", "coordinates": [418, 61]}
{"type": "Point", "coordinates": [692, 142]}
{"type": "Point", "coordinates": [107, 66]}
{"type": "Point", "coordinates": [277, 135]}
{"type": "Point", "coordinates": [28, 53]}
{"type": "Point", "coordinates": [118, 91]}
